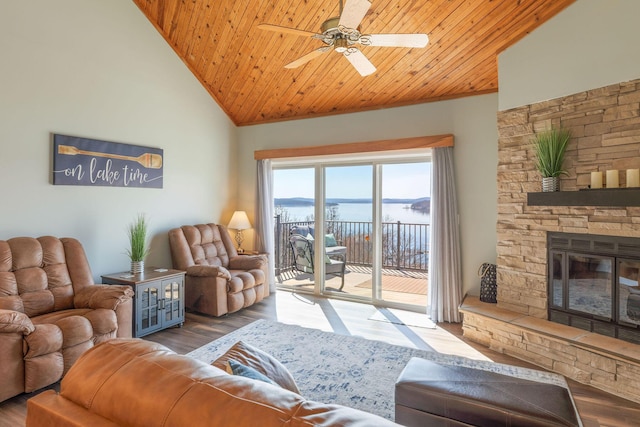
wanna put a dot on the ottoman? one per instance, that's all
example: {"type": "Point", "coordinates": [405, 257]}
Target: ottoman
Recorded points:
{"type": "Point", "coordinates": [433, 394]}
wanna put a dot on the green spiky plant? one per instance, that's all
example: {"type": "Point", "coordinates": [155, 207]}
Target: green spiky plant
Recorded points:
{"type": "Point", "coordinates": [550, 147]}
{"type": "Point", "coordinates": [138, 239]}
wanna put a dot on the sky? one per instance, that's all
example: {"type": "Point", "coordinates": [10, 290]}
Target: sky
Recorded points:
{"type": "Point", "coordinates": [399, 181]}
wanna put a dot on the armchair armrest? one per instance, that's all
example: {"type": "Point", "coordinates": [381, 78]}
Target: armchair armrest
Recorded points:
{"type": "Point", "coordinates": [208, 271]}
{"type": "Point", "coordinates": [247, 262]}
{"type": "Point", "coordinates": [102, 296]}
{"type": "Point", "coordinates": [15, 322]}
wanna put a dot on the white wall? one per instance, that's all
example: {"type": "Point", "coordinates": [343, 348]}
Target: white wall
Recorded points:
{"type": "Point", "coordinates": [471, 120]}
{"type": "Point", "coordinates": [590, 44]}
{"type": "Point", "coordinates": [98, 69]}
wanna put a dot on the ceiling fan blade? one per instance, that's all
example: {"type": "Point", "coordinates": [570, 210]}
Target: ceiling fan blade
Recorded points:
{"type": "Point", "coordinates": [278, 28]}
{"type": "Point", "coordinates": [360, 62]}
{"type": "Point", "coordinates": [396, 40]}
{"type": "Point", "coordinates": [308, 57]}
{"type": "Point", "coordinates": [353, 13]}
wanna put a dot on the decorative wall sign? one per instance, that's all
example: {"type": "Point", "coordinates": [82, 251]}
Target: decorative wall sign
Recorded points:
{"type": "Point", "coordinates": [83, 161]}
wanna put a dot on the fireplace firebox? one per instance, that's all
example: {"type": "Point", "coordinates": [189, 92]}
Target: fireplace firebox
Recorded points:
{"type": "Point", "coordinates": [593, 283]}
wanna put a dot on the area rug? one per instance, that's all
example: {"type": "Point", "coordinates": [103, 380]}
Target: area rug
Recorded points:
{"type": "Point", "coordinates": [347, 370]}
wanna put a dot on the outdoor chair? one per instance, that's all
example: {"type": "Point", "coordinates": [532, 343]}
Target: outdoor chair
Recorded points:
{"type": "Point", "coordinates": [303, 258]}
{"type": "Point", "coordinates": [331, 246]}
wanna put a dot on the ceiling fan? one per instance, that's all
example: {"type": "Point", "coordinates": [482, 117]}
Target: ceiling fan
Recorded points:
{"type": "Point", "coordinates": [342, 34]}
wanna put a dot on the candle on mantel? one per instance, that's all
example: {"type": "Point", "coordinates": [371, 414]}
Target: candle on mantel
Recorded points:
{"type": "Point", "coordinates": [596, 180]}
{"type": "Point", "coordinates": [612, 178]}
{"type": "Point", "coordinates": [633, 178]}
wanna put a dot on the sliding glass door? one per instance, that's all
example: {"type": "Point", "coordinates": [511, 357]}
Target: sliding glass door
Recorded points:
{"type": "Point", "coordinates": [405, 209]}
{"type": "Point", "coordinates": [356, 230]}
{"type": "Point", "coordinates": [349, 232]}
{"type": "Point", "coordinates": [294, 207]}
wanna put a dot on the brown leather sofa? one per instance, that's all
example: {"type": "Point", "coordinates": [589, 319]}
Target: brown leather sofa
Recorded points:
{"type": "Point", "coordinates": [51, 311]}
{"type": "Point", "coordinates": [218, 280]}
{"type": "Point", "coordinates": [132, 382]}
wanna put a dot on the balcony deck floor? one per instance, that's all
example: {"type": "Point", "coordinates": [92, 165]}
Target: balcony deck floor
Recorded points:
{"type": "Point", "coordinates": [398, 286]}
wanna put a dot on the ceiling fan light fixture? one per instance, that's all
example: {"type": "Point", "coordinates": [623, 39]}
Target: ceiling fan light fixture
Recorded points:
{"type": "Point", "coordinates": [341, 45]}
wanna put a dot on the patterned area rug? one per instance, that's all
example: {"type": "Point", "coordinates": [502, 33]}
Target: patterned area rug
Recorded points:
{"type": "Point", "coordinates": [346, 370]}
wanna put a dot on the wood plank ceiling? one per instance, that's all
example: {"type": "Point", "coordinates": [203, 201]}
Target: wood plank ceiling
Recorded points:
{"type": "Point", "coordinates": [242, 67]}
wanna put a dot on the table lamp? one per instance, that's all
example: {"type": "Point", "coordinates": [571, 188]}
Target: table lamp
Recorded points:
{"type": "Point", "coordinates": [239, 222]}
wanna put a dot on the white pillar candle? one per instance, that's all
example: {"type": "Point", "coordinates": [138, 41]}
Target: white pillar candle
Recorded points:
{"type": "Point", "coordinates": [596, 179]}
{"type": "Point", "coordinates": [633, 178]}
{"type": "Point", "coordinates": [612, 178]}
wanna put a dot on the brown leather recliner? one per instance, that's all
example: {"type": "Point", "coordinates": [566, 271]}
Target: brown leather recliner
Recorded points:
{"type": "Point", "coordinates": [218, 280]}
{"type": "Point", "coordinates": [51, 311]}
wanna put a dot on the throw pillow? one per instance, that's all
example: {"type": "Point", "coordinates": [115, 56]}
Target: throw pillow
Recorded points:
{"type": "Point", "coordinates": [330, 240]}
{"type": "Point", "coordinates": [261, 361]}
{"type": "Point", "coordinates": [236, 368]}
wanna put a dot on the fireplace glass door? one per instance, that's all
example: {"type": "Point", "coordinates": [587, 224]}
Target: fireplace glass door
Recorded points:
{"type": "Point", "coordinates": [594, 283]}
{"type": "Point", "coordinates": [629, 291]}
{"type": "Point", "coordinates": [590, 285]}
{"type": "Point", "coordinates": [557, 276]}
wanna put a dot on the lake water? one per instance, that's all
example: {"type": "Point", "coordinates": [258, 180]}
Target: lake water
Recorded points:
{"type": "Point", "coordinates": [391, 212]}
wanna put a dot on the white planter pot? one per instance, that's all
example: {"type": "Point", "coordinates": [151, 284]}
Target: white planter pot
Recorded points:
{"type": "Point", "coordinates": [550, 184]}
{"type": "Point", "coordinates": [137, 267]}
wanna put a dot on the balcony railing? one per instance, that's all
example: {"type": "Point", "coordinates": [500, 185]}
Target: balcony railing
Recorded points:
{"type": "Point", "coordinates": [404, 246]}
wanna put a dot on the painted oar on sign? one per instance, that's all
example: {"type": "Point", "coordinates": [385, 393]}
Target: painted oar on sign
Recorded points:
{"type": "Point", "coordinates": [148, 160]}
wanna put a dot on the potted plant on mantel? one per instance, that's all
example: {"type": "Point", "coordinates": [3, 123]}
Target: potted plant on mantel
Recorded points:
{"type": "Point", "coordinates": [139, 248]}
{"type": "Point", "coordinates": [550, 147]}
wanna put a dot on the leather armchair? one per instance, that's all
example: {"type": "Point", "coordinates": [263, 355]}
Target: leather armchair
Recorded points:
{"type": "Point", "coordinates": [218, 280]}
{"type": "Point", "coordinates": [51, 311]}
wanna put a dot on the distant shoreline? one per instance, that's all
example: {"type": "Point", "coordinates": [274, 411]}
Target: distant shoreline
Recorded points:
{"type": "Point", "coordinates": [422, 204]}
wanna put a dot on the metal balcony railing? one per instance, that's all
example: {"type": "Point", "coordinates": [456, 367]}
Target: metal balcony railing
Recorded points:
{"type": "Point", "coordinates": [404, 246]}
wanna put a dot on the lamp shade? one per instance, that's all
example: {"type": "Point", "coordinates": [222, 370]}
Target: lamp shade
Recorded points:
{"type": "Point", "coordinates": [239, 221]}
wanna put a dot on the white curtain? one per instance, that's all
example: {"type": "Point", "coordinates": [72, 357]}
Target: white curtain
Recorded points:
{"type": "Point", "coordinates": [445, 287]}
{"type": "Point", "coordinates": [264, 217]}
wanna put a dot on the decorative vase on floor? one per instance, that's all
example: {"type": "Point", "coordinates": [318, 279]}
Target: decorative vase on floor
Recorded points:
{"type": "Point", "coordinates": [137, 267]}
{"type": "Point", "coordinates": [550, 183]}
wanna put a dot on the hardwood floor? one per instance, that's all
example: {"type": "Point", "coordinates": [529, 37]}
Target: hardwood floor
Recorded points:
{"type": "Point", "coordinates": [596, 407]}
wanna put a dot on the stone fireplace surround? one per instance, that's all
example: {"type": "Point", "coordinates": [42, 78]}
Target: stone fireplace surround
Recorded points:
{"type": "Point", "coordinates": [605, 126]}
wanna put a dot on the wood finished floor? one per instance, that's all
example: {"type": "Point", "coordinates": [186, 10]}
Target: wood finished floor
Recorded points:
{"type": "Point", "coordinates": [596, 407]}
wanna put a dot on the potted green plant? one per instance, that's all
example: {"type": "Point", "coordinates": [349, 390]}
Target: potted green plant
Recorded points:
{"type": "Point", "coordinates": [139, 248]}
{"type": "Point", "coordinates": [550, 147]}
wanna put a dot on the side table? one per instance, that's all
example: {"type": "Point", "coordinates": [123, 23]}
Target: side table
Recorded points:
{"type": "Point", "coordinates": [159, 298]}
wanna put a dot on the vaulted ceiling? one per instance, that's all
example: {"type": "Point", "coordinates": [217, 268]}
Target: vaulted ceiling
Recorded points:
{"type": "Point", "coordinates": [242, 66]}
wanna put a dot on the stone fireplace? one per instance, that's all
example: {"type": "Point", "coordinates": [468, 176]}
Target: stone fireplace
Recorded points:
{"type": "Point", "coordinates": [605, 127]}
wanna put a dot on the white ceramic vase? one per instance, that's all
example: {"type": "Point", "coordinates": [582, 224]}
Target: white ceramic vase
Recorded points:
{"type": "Point", "coordinates": [137, 267]}
{"type": "Point", "coordinates": [550, 183]}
